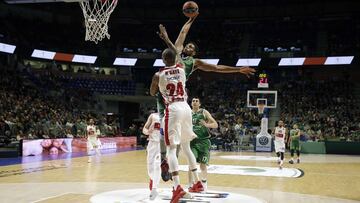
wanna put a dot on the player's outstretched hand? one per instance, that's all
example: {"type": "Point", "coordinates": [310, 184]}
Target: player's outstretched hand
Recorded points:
{"type": "Point", "coordinates": [192, 18]}
{"type": "Point", "coordinates": [162, 33]}
{"type": "Point", "coordinates": [247, 71]}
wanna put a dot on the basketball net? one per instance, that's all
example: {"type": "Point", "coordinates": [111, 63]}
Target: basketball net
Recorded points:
{"type": "Point", "coordinates": [261, 108]}
{"type": "Point", "coordinates": [96, 16]}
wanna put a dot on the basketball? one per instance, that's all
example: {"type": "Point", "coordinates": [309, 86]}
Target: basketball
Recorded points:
{"type": "Point", "coordinates": [190, 9]}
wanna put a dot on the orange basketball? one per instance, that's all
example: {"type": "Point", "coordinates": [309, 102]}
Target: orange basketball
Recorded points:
{"type": "Point", "coordinates": [190, 9]}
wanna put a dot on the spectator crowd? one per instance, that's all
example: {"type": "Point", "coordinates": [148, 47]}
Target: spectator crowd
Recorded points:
{"type": "Point", "coordinates": [323, 109]}
{"type": "Point", "coordinates": [34, 107]}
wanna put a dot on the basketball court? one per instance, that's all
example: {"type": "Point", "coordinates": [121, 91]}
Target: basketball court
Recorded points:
{"type": "Point", "coordinates": [122, 177]}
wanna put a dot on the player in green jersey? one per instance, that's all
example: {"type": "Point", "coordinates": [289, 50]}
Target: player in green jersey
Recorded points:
{"type": "Point", "coordinates": [200, 146]}
{"type": "Point", "coordinates": [295, 143]}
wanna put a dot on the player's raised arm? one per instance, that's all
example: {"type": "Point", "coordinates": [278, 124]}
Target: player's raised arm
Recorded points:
{"type": "Point", "coordinates": [164, 36]}
{"type": "Point", "coordinates": [146, 129]}
{"type": "Point", "coordinates": [199, 64]}
{"type": "Point", "coordinates": [211, 123]}
{"type": "Point", "coordinates": [179, 43]}
{"type": "Point", "coordinates": [154, 87]}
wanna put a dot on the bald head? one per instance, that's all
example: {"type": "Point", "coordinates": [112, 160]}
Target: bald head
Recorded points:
{"type": "Point", "coordinates": [169, 57]}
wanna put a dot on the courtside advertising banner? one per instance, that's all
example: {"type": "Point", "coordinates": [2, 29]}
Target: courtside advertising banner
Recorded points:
{"type": "Point", "coordinates": [72, 145]}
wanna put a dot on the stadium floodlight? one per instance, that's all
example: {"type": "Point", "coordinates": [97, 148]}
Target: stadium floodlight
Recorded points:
{"type": "Point", "coordinates": [291, 62]}
{"type": "Point", "coordinates": [84, 59]}
{"type": "Point", "coordinates": [248, 62]}
{"type": "Point", "coordinates": [339, 60]}
{"type": "Point", "coordinates": [159, 63]}
{"type": "Point", "coordinates": [211, 61]}
{"type": "Point", "coordinates": [125, 61]}
{"type": "Point", "coordinates": [7, 48]}
{"type": "Point", "coordinates": [37, 53]}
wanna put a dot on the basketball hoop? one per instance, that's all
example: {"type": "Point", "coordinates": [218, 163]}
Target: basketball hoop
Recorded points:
{"type": "Point", "coordinates": [261, 108]}
{"type": "Point", "coordinates": [96, 16]}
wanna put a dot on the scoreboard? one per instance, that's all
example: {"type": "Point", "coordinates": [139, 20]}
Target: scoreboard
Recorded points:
{"type": "Point", "coordinates": [263, 81]}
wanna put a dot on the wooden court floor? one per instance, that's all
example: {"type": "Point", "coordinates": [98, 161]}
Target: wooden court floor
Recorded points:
{"type": "Point", "coordinates": [327, 178]}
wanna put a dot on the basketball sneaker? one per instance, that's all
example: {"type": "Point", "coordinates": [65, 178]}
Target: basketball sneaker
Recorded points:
{"type": "Point", "coordinates": [153, 194]}
{"type": "Point", "coordinates": [197, 187]}
{"type": "Point", "coordinates": [281, 165]}
{"type": "Point", "coordinates": [178, 194]}
{"type": "Point", "coordinates": [291, 162]}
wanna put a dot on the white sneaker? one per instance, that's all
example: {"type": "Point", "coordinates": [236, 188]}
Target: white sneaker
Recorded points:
{"type": "Point", "coordinates": [153, 194]}
{"type": "Point", "coordinates": [89, 160]}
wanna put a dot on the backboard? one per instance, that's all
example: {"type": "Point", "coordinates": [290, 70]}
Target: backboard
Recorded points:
{"type": "Point", "coordinates": [265, 97]}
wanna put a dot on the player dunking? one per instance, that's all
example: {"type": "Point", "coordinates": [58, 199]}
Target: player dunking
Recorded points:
{"type": "Point", "coordinates": [200, 146]}
{"type": "Point", "coordinates": [93, 141]}
{"type": "Point", "coordinates": [152, 129]}
{"type": "Point", "coordinates": [170, 81]}
{"type": "Point", "coordinates": [280, 134]}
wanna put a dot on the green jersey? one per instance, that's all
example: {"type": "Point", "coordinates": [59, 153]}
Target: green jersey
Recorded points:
{"type": "Point", "coordinates": [189, 65]}
{"type": "Point", "coordinates": [293, 135]}
{"type": "Point", "coordinates": [201, 131]}
{"type": "Point", "coordinates": [295, 140]}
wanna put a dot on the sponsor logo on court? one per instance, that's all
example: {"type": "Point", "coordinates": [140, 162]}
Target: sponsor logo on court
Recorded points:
{"type": "Point", "coordinates": [142, 195]}
{"type": "Point", "coordinates": [251, 171]}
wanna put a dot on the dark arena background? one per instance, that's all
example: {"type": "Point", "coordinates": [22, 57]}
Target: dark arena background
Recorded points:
{"type": "Point", "coordinates": [75, 96]}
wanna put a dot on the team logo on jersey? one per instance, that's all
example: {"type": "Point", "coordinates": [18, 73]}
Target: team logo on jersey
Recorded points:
{"type": "Point", "coordinates": [263, 140]}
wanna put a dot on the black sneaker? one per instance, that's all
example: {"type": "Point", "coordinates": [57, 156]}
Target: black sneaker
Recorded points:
{"type": "Point", "coordinates": [291, 162]}
{"type": "Point", "coordinates": [298, 161]}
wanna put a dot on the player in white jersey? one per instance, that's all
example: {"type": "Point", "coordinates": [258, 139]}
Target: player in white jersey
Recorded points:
{"type": "Point", "coordinates": [170, 81]}
{"type": "Point", "coordinates": [279, 142]}
{"type": "Point", "coordinates": [152, 129]}
{"type": "Point", "coordinates": [93, 141]}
